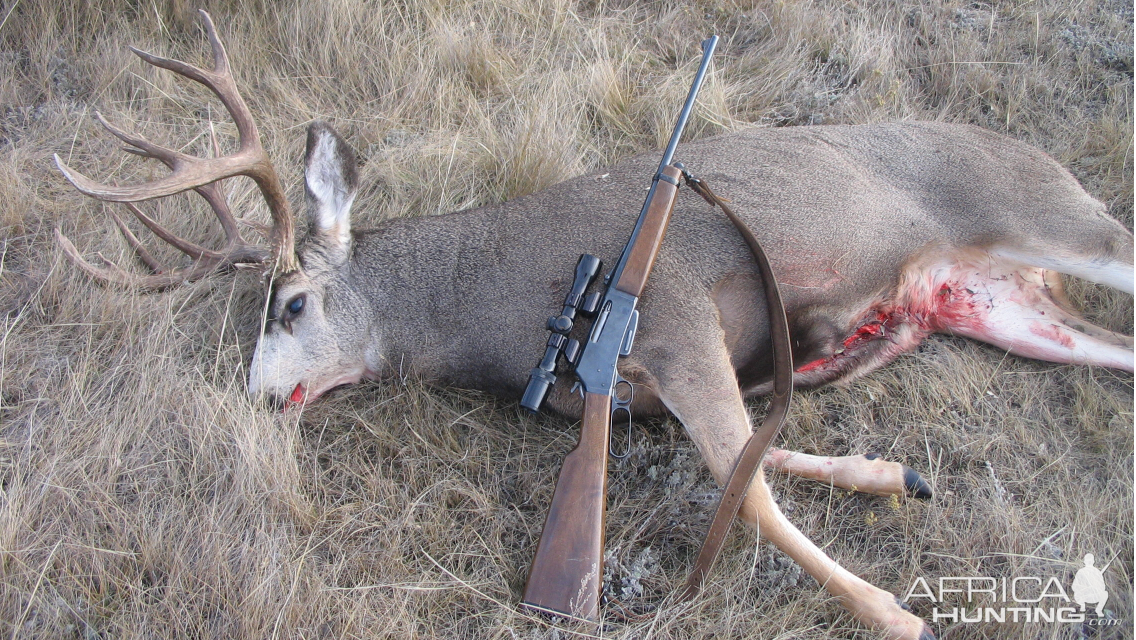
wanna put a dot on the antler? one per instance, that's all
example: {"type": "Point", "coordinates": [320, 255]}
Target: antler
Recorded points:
{"type": "Point", "coordinates": [200, 174]}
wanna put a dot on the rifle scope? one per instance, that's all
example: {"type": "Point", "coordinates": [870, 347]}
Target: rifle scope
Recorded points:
{"type": "Point", "coordinates": [543, 375]}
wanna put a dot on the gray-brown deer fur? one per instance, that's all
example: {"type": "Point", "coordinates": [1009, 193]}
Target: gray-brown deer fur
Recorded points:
{"type": "Point", "coordinates": [844, 213]}
{"type": "Point", "coordinates": [879, 234]}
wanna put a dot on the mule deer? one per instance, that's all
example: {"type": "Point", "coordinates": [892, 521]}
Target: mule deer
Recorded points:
{"type": "Point", "coordinates": [881, 234]}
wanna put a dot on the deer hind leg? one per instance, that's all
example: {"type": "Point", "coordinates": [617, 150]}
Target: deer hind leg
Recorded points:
{"type": "Point", "coordinates": [700, 389]}
{"type": "Point", "coordinates": [999, 297]}
{"type": "Point", "coordinates": [869, 473]}
{"type": "Point", "coordinates": [866, 474]}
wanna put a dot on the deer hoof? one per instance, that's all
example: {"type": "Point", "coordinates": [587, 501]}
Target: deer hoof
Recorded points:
{"type": "Point", "coordinates": [915, 483]}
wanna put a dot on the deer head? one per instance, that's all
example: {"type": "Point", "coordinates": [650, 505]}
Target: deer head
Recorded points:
{"type": "Point", "coordinates": [300, 353]}
{"type": "Point", "coordinates": [318, 328]}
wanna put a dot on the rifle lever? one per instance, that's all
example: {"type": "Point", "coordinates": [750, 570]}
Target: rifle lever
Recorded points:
{"type": "Point", "coordinates": [619, 403]}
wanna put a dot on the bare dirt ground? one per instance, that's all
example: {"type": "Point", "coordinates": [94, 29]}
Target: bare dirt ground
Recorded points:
{"type": "Point", "coordinates": [143, 495]}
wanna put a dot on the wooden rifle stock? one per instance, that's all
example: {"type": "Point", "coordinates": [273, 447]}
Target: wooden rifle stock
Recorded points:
{"type": "Point", "coordinates": [567, 572]}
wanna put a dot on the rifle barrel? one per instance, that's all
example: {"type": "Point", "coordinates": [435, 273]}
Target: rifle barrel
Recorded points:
{"type": "Point", "coordinates": [708, 46]}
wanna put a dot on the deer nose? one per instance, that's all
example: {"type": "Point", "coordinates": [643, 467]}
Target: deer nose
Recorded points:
{"type": "Point", "coordinates": [257, 393]}
{"type": "Point", "coordinates": [254, 379]}
{"type": "Point", "coordinates": [274, 400]}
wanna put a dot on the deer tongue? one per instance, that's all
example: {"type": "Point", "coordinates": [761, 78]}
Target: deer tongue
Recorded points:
{"type": "Point", "coordinates": [297, 394]}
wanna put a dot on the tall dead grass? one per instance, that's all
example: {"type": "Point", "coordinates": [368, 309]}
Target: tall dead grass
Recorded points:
{"type": "Point", "coordinates": [142, 494]}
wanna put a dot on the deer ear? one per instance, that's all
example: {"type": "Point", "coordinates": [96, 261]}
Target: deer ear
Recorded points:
{"type": "Point", "coordinates": [330, 180]}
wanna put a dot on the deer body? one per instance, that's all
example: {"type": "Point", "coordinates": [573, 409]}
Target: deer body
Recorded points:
{"type": "Point", "coordinates": [865, 225]}
{"type": "Point", "coordinates": [879, 234]}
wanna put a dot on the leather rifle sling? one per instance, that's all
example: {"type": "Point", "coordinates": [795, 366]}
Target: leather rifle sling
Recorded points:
{"type": "Point", "coordinates": [748, 463]}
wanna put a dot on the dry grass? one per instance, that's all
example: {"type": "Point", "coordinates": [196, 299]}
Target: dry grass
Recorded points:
{"type": "Point", "coordinates": [141, 494]}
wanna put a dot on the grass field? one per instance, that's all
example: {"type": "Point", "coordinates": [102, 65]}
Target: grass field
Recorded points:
{"type": "Point", "coordinates": [142, 494]}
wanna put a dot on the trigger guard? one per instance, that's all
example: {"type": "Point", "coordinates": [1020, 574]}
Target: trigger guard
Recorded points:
{"type": "Point", "coordinates": [618, 405]}
{"type": "Point", "coordinates": [616, 402]}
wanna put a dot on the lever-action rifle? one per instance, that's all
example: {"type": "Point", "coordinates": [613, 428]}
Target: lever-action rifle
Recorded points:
{"type": "Point", "coordinates": [566, 574]}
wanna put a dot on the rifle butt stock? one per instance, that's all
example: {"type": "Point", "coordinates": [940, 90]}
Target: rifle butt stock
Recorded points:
{"type": "Point", "coordinates": [567, 572]}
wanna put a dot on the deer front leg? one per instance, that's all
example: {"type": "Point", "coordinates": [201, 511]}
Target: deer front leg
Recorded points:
{"type": "Point", "coordinates": [702, 392]}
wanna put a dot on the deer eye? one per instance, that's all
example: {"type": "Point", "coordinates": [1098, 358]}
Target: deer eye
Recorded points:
{"type": "Point", "coordinates": [296, 305]}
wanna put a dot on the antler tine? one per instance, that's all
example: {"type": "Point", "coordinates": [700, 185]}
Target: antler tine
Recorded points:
{"type": "Point", "coordinates": [212, 192]}
{"type": "Point", "coordinates": [188, 248]}
{"type": "Point", "coordinates": [200, 174]}
{"type": "Point", "coordinates": [236, 252]}
{"type": "Point", "coordinates": [145, 148]}
{"type": "Point", "coordinates": [114, 274]}
{"type": "Point", "coordinates": [143, 254]}
{"type": "Point", "coordinates": [214, 195]}
{"type": "Point", "coordinates": [220, 80]}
